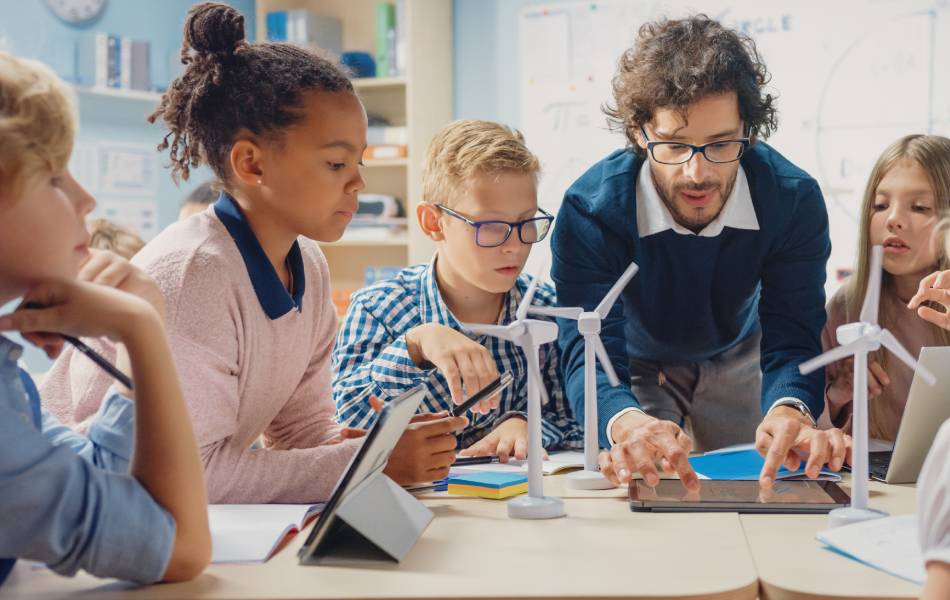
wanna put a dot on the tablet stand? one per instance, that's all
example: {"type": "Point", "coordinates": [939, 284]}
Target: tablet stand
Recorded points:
{"type": "Point", "coordinates": [377, 521]}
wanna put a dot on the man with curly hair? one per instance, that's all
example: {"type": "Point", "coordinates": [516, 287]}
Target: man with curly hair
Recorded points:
{"type": "Point", "coordinates": [731, 239]}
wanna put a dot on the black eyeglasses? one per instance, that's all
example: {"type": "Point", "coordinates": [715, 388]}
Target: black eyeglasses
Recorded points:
{"type": "Point", "coordinates": [677, 153]}
{"type": "Point", "coordinates": [490, 234]}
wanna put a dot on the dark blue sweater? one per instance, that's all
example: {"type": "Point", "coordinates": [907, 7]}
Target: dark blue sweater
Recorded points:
{"type": "Point", "coordinates": [695, 297]}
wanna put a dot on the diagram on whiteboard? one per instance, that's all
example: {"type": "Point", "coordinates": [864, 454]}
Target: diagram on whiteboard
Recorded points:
{"type": "Point", "coordinates": [851, 77]}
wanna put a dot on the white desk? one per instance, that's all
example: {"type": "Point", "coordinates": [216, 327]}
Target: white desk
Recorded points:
{"type": "Point", "coordinates": [472, 550]}
{"type": "Point", "coordinates": [792, 564]}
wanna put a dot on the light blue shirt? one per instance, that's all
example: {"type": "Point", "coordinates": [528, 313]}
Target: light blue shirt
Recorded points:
{"type": "Point", "coordinates": [67, 500]}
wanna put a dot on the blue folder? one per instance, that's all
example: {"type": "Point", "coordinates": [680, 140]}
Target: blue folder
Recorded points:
{"type": "Point", "coordinates": [745, 465]}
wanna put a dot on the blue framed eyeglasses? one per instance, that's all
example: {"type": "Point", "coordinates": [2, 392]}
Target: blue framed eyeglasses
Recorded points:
{"type": "Point", "coordinates": [491, 234]}
{"type": "Point", "coordinates": [677, 153]}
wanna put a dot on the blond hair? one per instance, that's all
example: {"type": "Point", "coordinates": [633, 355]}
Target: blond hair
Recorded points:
{"type": "Point", "coordinates": [467, 148]}
{"type": "Point", "coordinates": [122, 240]}
{"type": "Point", "coordinates": [932, 153]}
{"type": "Point", "coordinates": [37, 123]}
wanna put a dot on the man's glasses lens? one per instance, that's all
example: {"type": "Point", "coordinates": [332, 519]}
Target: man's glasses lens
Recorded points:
{"type": "Point", "coordinates": [674, 154]}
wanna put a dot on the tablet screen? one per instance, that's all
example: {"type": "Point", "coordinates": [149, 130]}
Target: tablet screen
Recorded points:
{"type": "Point", "coordinates": [670, 494]}
{"type": "Point", "coordinates": [672, 490]}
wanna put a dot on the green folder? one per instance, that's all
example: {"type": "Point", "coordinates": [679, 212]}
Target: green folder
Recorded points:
{"type": "Point", "coordinates": [385, 30]}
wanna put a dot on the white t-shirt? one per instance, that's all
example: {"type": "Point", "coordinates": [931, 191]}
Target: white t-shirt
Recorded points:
{"type": "Point", "coordinates": [934, 500]}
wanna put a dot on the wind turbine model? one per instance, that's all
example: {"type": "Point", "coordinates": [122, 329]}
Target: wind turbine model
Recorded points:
{"type": "Point", "coordinates": [529, 335]}
{"type": "Point", "coordinates": [588, 325]}
{"type": "Point", "coordinates": [858, 339]}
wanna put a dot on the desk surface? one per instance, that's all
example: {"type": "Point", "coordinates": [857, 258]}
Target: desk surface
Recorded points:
{"type": "Point", "coordinates": [601, 549]}
{"type": "Point", "coordinates": [792, 564]}
{"type": "Point", "coordinates": [473, 550]}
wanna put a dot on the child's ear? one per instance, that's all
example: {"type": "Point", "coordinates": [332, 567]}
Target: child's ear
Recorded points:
{"type": "Point", "coordinates": [428, 216]}
{"type": "Point", "coordinates": [246, 162]}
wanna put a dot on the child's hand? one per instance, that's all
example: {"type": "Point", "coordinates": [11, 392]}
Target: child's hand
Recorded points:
{"type": "Point", "coordinates": [508, 440]}
{"type": "Point", "coordinates": [934, 288]}
{"type": "Point", "coordinates": [109, 269]}
{"type": "Point", "coordinates": [460, 360]}
{"type": "Point", "coordinates": [841, 390]}
{"type": "Point", "coordinates": [78, 309]}
{"type": "Point", "coordinates": [426, 449]}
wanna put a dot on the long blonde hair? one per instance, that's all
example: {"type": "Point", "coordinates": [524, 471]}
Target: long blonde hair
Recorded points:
{"type": "Point", "coordinates": [932, 153]}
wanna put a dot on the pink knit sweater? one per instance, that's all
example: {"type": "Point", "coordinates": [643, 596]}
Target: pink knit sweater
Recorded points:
{"type": "Point", "coordinates": [242, 373]}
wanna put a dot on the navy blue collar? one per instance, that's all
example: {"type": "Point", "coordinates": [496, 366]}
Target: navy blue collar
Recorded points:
{"type": "Point", "coordinates": [271, 293]}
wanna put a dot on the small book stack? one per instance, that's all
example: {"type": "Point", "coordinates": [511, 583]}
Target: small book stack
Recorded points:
{"type": "Point", "coordinates": [109, 61]}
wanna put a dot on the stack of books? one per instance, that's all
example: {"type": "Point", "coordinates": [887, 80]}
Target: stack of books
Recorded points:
{"type": "Point", "coordinates": [104, 60]}
{"type": "Point", "coordinates": [305, 28]}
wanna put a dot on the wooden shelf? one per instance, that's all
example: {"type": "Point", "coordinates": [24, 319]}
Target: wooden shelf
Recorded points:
{"type": "Point", "coordinates": [120, 94]}
{"type": "Point", "coordinates": [380, 163]}
{"type": "Point", "coordinates": [420, 101]}
{"type": "Point", "coordinates": [375, 83]}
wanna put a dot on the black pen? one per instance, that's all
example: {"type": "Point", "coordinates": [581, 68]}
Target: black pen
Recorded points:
{"type": "Point", "coordinates": [496, 386]}
{"type": "Point", "coordinates": [464, 461]}
{"type": "Point", "coordinates": [92, 354]}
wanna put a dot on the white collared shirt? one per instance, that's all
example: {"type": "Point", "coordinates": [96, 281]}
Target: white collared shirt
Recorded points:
{"type": "Point", "coordinates": [654, 217]}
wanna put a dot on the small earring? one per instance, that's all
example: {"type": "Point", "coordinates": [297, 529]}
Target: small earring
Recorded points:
{"type": "Point", "coordinates": [259, 182]}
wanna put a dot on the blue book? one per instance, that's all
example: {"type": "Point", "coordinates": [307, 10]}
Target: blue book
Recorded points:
{"type": "Point", "coordinates": [746, 465]}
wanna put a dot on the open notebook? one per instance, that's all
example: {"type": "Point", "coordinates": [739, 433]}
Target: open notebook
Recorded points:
{"type": "Point", "coordinates": [745, 463]}
{"type": "Point", "coordinates": [246, 533]}
{"type": "Point", "coordinates": [556, 462]}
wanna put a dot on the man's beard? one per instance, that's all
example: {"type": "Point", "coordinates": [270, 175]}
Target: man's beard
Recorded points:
{"type": "Point", "coordinates": [691, 220]}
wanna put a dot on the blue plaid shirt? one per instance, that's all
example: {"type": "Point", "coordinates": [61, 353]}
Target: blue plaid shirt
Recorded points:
{"type": "Point", "coordinates": [371, 358]}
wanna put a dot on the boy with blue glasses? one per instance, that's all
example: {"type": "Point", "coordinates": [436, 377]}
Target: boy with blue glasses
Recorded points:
{"type": "Point", "coordinates": [480, 207]}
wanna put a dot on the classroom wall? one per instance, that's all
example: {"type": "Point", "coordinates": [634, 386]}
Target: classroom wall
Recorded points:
{"type": "Point", "coordinates": [486, 59]}
{"type": "Point", "coordinates": [29, 28]}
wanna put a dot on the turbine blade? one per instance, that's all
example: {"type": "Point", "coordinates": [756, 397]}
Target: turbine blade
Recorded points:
{"type": "Point", "coordinates": [498, 331]}
{"type": "Point", "coordinates": [522, 311]}
{"type": "Point", "coordinates": [564, 312]}
{"type": "Point", "coordinates": [601, 351]}
{"type": "Point", "coordinates": [890, 342]}
{"type": "Point", "coordinates": [603, 309]}
{"type": "Point", "coordinates": [836, 353]}
{"type": "Point", "coordinates": [872, 296]}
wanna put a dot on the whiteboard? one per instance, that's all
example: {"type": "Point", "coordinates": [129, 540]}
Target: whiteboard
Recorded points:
{"type": "Point", "coordinates": [851, 77]}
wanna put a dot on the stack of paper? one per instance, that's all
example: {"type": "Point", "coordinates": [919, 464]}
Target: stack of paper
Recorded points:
{"type": "Point", "coordinates": [243, 533]}
{"type": "Point", "coordinates": [556, 462]}
{"type": "Point", "coordinates": [889, 544]}
{"type": "Point", "coordinates": [494, 486]}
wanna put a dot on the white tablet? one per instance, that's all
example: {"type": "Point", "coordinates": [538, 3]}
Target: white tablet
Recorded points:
{"type": "Point", "coordinates": [367, 462]}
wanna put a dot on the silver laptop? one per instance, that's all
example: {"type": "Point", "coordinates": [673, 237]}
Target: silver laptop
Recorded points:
{"type": "Point", "coordinates": [926, 410]}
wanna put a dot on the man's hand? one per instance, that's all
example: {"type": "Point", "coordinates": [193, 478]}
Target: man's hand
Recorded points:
{"type": "Point", "coordinates": [509, 439]}
{"type": "Point", "coordinates": [461, 361]}
{"type": "Point", "coordinates": [642, 441]}
{"type": "Point", "coordinates": [785, 436]}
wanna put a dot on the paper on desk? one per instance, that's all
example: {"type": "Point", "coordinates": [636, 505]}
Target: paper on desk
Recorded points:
{"type": "Point", "coordinates": [556, 462]}
{"type": "Point", "coordinates": [743, 463]}
{"type": "Point", "coordinates": [247, 533]}
{"type": "Point", "coordinates": [889, 544]}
